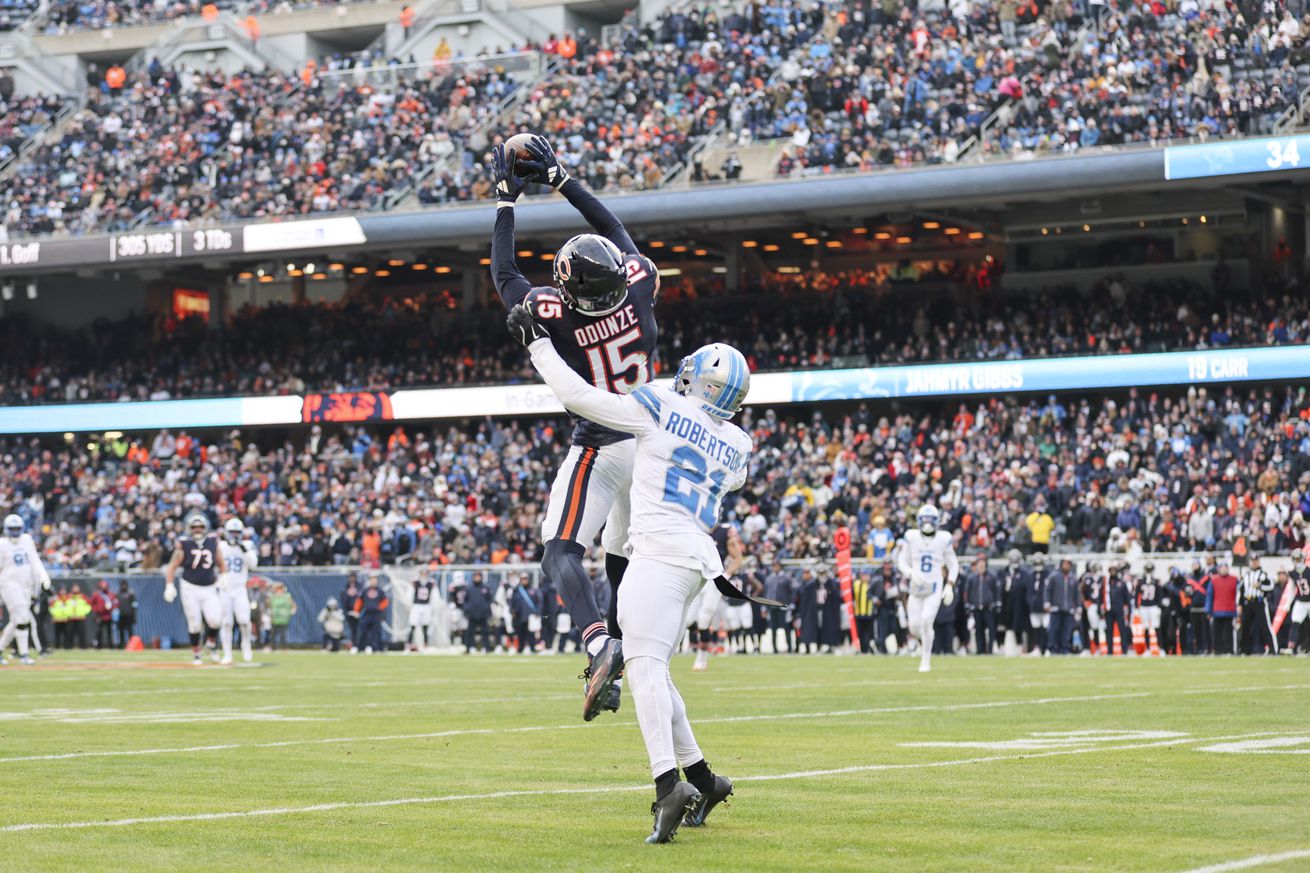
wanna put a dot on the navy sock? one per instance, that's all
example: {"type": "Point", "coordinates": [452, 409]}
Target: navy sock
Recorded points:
{"type": "Point", "coordinates": [562, 562]}
{"type": "Point", "coordinates": [665, 782]}
{"type": "Point", "coordinates": [700, 775]}
{"type": "Point", "coordinates": [615, 567]}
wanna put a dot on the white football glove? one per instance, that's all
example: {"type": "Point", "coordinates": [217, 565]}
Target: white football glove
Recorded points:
{"type": "Point", "coordinates": [948, 594]}
{"type": "Point", "coordinates": [170, 593]}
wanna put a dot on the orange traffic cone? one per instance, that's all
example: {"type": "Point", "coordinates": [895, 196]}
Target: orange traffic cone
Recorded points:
{"type": "Point", "coordinates": [1139, 635]}
{"type": "Point", "coordinates": [134, 644]}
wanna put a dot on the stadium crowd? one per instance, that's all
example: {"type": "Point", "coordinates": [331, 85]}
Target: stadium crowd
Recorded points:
{"type": "Point", "coordinates": [1225, 473]}
{"type": "Point", "coordinates": [781, 322]}
{"type": "Point", "coordinates": [852, 85]}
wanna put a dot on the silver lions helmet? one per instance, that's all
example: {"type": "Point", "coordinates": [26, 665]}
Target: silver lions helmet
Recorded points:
{"type": "Point", "coordinates": [929, 518]}
{"type": "Point", "coordinates": [233, 531]}
{"type": "Point", "coordinates": [13, 526]}
{"type": "Point", "coordinates": [717, 376]}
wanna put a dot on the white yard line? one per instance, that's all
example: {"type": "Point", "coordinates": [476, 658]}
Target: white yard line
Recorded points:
{"type": "Point", "coordinates": [731, 719]}
{"type": "Point", "coordinates": [1253, 861]}
{"type": "Point", "coordinates": [554, 792]}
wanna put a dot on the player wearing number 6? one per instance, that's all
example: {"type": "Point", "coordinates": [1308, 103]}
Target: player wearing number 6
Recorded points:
{"type": "Point", "coordinates": [201, 561]}
{"type": "Point", "coordinates": [600, 315]}
{"type": "Point", "coordinates": [927, 559]}
{"type": "Point", "coordinates": [688, 455]}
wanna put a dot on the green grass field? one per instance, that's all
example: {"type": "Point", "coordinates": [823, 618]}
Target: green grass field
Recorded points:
{"type": "Point", "coordinates": [319, 763]}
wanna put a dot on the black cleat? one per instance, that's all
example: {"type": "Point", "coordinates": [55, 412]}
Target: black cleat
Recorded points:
{"type": "Point", "coordinates": [670, 811]}
{"type": "Point", "coordinates": [615, 698]}
{"type": "Point", "coordinates": [721, 791]}
{"type": "Point", "coordinates": [605, 668]}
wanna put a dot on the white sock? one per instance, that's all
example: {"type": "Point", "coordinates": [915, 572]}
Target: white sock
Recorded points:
{"type": "Point", "coordinates": [36, 637]}
{"type": "Point", "coordinates": [684, 741]}
{"type": "Point", "coordinates": [597, 643]}
{"type": "Point", "coordinates": [22, 643]}
{"type": "Point", "coordinates": [7, 636]}
{"type": "Point", "coordinates": [245, 641]}
{"type": "Point", "coordinates": [225, 634]}
{"type": "Point", "coordinates": [650, 694]}
{"type": "Point", "coordinates": [925, 641]}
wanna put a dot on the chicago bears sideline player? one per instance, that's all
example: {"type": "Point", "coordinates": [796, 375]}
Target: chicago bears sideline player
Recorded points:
{"type": "Point", "coordinates": [201, 561]}
{"type": "Point", "coordinates": [600, 314]}
{"type": "Point", "coordinates": [239, 554]}
{"type": "Point", "coordinates": [688, 455]}
{"type": "Point", "coordinates": [22, 578]}
{"type": "Point", "coordinates": [925, 553]}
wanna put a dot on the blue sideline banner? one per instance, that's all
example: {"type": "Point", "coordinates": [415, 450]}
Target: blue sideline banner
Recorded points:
{"type": "Point", "coordinates": [798, 386]}
{"type": "Point", "coordinates": [1236, 157]}
{"type": "Point", "coordinates": [1054, 374]}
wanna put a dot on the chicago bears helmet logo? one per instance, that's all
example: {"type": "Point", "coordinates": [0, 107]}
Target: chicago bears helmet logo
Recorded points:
{"type": "Point", "coordinates": [563, 268]}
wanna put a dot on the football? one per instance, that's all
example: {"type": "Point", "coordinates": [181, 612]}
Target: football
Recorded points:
{"type": "Point", "coordinates": [516, 150]}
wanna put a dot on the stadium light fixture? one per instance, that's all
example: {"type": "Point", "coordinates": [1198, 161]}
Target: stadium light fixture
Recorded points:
{"type": "Point", "coordinates": [7, 291]}
{"type": "Point", "coordinates": [419, 267]}
{"type": "Point", "coordinates": [882, 234]}
{"type": "Point", "coordinates": [442, 270]}
{"type": "Point", "coordinates": [309, 268]}
{"type": "Point", "coordinates": [1046, 231]}
{"type": "Point", "coordinates": [1184, 221]}
{"type": "Point", "coordinates": [671, 271]}
{"type": "Point", "coordinates": [771, 247]}
{"type": "Point", "coordinates": [319, 276]}
{"type": "Point", "coordinates": [290, 267]}
{"type": "Point", "coordinates": [977, 234]}
{"type": "Point", "coordinates": [1087, 228]}
{"type": "Point", "coordinates": [524, 253]}
{"type": "Point", "coordinates": [860, 231]}
{"type": "Point", "coordinates": [265, 279]}
{"type": "Point", "coordinates": [382, 274]}
{"type": "Point", "coordinates": [789, 270]}
{"type": "Point", "coordinates": [810, 241]}
{"type": "Point", "coordinates": [245, 276]}
{"type": "Point", "coordinates": [486, 262]}
{"type": "Point", "coordinates": [1203, 219]}
{"type": "Point", "coordinates": [655, 244]}
{"type": "Point", "coordinates": [719, 270]}
{"type": "Point", "coordinates": [700, 253]}
{"type": "Point", "coordinates": [931, 225]}
{"type": "Point", "coordinates": [113, 434]}
{"type": "Point", "coordinates": [903, 240]}
{"type": "Point", "coordinates": [952, 231]}
{"type": "Point", "coordinates": [800, 234]}
{"type": "Point", "coordinates": [31, 290]}
{"type": "Point", "coordinates": [548, 256]}
{"type": "Point", "coordinates": [833, 243]}
{"type": "Point", "coordinates": [395, 262]}
{"type": "Point", "coordinates": [750, 243]}
{"type": "Point", "coordinates": [680, 249]}
{"type": "Point", "coordinates": [336, 268]}
{"type": "Point", "coordinates": [295, 272]}
{"type": "Point", "coordinates": [359, 271]}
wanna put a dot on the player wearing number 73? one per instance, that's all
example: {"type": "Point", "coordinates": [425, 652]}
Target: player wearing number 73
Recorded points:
{"type": "Point", "coordinates": [688, 455]}
{"type": "Point", "coordinates": [600, 314]}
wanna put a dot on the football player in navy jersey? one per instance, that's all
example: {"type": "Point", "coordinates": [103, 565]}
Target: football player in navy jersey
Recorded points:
{"type": "Point", "coordinates": [600, 314]}
{"type": "Point", "coordinates": [201, 562]}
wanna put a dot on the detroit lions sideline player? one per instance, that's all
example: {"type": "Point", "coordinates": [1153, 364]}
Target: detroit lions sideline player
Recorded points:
{"type": "Point", "coordinates": [201, 561]}
{"type": "Point", "coordinates": [688, 455]}
{"type": "Point", "coordinates": [22, 578]}
{"type": "Point", "coordinates": [925, 553]}
{"type": "Point", "coordinates": [600, 314]}
{"type": "Point", "coordinates": [239, 555]}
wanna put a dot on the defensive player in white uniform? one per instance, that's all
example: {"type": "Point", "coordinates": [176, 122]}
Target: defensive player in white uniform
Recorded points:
{"type": "Point", "coordinates": [688, 455]}
{"type": "Point", "coordinates": [239, 555]}
{"type": "Point", "coordinates": [22, 578]}
{"type": "Point", "coordinates": [927, 559]}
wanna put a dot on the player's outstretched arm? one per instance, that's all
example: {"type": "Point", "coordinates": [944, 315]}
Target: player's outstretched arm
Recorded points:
{"type": "Point", "coordinates": [620, 412]}
{"type": "Point", "coordinates": [511, 284]}
{"type": "Point", "coordinates": [170, 573]}
{"type": "Point", "coordinates": [549, 172]}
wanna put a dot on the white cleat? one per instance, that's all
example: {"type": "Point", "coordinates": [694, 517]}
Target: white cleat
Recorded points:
{"type": "Point", "coordinates": [702, 662]}
{"type": "Point", "coordinates": [197, 660]}
{"type": "Point", "coordinates": [925, 667]}
{"type": "Point", "coordinates": [26, 660]}
{"type": "Point", "coordinates": [247, 657]}
{"type": "Point", "coordinates": [227, 660]}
